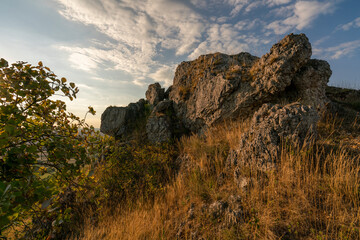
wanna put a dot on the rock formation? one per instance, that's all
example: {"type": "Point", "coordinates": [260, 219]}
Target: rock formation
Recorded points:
{"type": "Point", "coordinates": [159, 125]}
{"type": "Point", "coordinates": [155, 93]}
{"type": "Point", "coordinates": [120, 121]}
{"type": "Point", "coordinates": [218, 87]}
{"type": "Point", "coordinates": [272, 125]}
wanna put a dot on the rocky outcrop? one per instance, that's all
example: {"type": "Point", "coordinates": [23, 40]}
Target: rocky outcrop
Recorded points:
{"type": "Point", "coordinates": [218, 87]}
{"type": "Point", "coordinates": [310, 84]}
{"type": "Point", "coordinates": [155, 93]}
{"type": "Point", "coordinates": [275, 70]}
{"type": "Point", "coordinates": [271, 126]}
{"type": "Point", "coordinates": [159, 125]}
{"type": "Point", "coordinates": [121, 121]}
{"type": "Point", "coordinates": [211, 88]}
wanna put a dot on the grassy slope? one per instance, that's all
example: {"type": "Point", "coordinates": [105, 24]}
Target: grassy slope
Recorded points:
{"type": "Point", "coordinates": [314, 193]}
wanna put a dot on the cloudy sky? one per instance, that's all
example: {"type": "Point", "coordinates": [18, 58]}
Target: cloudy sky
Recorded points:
{"type": "Point", "coordinates": [112, 49]}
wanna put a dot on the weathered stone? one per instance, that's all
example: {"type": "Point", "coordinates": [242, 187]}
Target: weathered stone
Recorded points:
{"type": "Point", "coordinates": [119, 121]}
{"type": "Point", "coordinates": [167, 92]}
{"type": "Point", "coordinates": [276, 69]}
{"type": "Point", "coordinates": [218, 87]}
{"type": "Point", "coordinates": [241, 181]}
{"type": "Point", "coordinates": [159, 126]}
{"type": "Point", "coordinates": [203, 90]}
{"type": "Point", "coordinates": [155, 93]}
{"type": "Point", "coordinates": [310, 83]}
{"type": "Point", "coordinates": [217, 208]}
{"type": "Point", "coordinates": [271, 126]}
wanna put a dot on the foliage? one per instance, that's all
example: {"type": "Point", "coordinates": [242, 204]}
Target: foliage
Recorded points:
{"type": "Point", "coordinates": [135, 172]}
{"type": "Point", "coordinates": [43, 148]}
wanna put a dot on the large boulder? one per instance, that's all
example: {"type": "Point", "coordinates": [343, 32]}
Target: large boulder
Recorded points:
{"type": "Point", "coordinates": [272, 126]}
{"type": "Point", "coordinates": [121, 121]}
{"type": "Point", "coordinates": [276, 69]}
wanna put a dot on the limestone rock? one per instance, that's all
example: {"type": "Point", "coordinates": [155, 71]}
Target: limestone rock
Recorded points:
{"type": "Point", "coordinates": [159, 125]}
{"type": "Point", "coordinates": [272, 124]}
{"type": "Point", "coordinates": [155, 93]}
{"type": "Point", "coordinates": [203, 88]}
{"type": "Point", "coordinates": [217, 87]}
{"type": "Point", "coordinates": [276, 69]}
{"type": "Point", "coordinates": [310, 83]}
{"type": "Point", "coordinates": [119, 121]}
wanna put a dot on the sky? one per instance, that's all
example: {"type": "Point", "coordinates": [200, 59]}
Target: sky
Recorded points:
{"type": "Point", "coordinates": [113, 49]}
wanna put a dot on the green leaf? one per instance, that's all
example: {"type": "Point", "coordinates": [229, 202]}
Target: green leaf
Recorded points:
{"type": "Point", "coordinates": [32, 149]}
{"type": "Point", "coordinates": [91, 110]}
{"type": "Point", "coordinates": [3, 63]}
{"type": "Point", "coordinates": [10, 129]}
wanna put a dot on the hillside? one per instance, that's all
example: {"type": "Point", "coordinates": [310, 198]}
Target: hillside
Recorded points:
{"type": "Point", "coordinates": [239, 147]}
{"type": "Point", "coordinates": [312, 193]}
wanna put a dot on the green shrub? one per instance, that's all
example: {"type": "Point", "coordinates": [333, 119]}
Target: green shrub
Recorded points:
{"type": "Point", "coordinates": [135, 172]}
{"type": "Point", "coordinates": [43, 150]}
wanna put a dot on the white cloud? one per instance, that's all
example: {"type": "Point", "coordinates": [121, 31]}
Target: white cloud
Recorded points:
{"type": "Point", "coordinates": [224, 38]}
{"type": "Point", "coordinates": [304, 12]}
{"type": "Point", "coordinates": [237, 5]}
{"type": "Point", "coordinates": [83, 62]}
{"type": "Point", "coordinates": [142, 32]}
{"type": "Point", "coordinates": [245, 25]}
{"type": "Point", "coordinates": [248, 5]}
{"type": "Point", "coordinates": [139, 31]}
{"type": "Point", "coordinates": [353, 24]}
{"type": "Point", "coordinates": [164, 75]}
{"type": "Point", "coordinates": [342, 50]}
{"type": "Point", "coordinates": [277, 2]}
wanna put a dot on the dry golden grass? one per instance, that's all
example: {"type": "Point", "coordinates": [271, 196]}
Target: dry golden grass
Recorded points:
{"type": "Point", "coordinates": [313, 194]}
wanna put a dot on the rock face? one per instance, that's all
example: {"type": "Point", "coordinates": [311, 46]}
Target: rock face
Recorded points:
{"type": "Point", "coordinates": [310, 83]}
{"type": "Point", "coordinates": [120, 121]}
{"type": "Point", "coordinates": [159, 125]}
{"type": "Point", "coordinates": [211, 89]}
{"type": "Point", "coordinates": [218, 87]}
{"type": "Point", "coordinates": [272, 124]}
{"type": "Point", "coordinates": [276, 69]}
{"type": "Point", "coordinates": [155, 93]}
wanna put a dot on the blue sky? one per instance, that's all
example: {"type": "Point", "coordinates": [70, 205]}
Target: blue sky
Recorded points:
{"type": "Point", "coordinates": [112, 49]}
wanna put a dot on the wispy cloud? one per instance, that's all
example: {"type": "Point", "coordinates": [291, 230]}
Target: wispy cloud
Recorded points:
{"type": "Point", "coordinates": [339, 51]}
{"type": "Point", "coordinates": [138, 29]}
{"type": "Point", "coordinates": [164, 75]}
{"type": "Point", "coordinates": [353, 24]}
{"type": "Point", "coordinates": [145, 36]}
{"type": "Point", "coordinates": [303, 13]}
{"type": "Point", "coordinates": [222, 38]}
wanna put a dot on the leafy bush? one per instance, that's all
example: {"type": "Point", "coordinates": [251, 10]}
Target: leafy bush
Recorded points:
{"type": "Point", "coordinates": [43, 149]}
{"type": "Point", "coordinates": [135, 171]}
